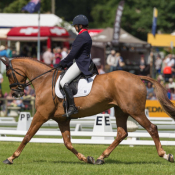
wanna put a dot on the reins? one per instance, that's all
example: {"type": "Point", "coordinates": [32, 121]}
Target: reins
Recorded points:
{"type": "Point", "coordinates": [21, 86]}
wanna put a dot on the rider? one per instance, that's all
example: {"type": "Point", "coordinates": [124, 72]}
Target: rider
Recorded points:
{"type": "Point", "coordinates": [80, 51]}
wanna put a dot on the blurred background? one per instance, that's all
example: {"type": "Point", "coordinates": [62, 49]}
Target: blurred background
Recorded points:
{"type": "Point", "coordinates": [134, 35]}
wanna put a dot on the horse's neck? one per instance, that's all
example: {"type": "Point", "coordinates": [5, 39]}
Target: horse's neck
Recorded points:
{"type": "Point", "coordinates": [32, 68]}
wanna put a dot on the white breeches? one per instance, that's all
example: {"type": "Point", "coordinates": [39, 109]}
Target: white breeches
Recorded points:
{"type": "Point", "coordinates": [71, 74]}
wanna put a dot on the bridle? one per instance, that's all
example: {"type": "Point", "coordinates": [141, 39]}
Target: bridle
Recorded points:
{"type": "Point", "coordinates": [21, 86]}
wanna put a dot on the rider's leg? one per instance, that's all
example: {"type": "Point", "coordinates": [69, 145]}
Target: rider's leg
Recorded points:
{"type": "Point", "coordinates": [71, 74]}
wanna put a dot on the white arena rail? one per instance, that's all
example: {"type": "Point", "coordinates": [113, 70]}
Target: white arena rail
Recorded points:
{"type": "Point", "coordinates": [166, 128]}
{"type": "Point", "coordinates": [162, 123]}
{"type": "Point", "coordinates": [3, 137]}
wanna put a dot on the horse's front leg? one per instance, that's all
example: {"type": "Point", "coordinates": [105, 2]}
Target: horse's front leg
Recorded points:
{"type": "Point", "coordinates": [37, 121]}
{"type": "Point", "coordinates": [65, 130]}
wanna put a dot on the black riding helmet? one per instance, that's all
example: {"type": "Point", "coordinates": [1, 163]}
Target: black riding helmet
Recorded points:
{"type": "Point", "coordinates": [80, 19]}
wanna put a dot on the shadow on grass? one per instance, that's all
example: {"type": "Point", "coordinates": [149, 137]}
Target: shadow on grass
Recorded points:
{"type": "Point", "coordinates": [110, 161]}
{"type": "Point", "coordinates": [43, 161]}
{"type": "Point", "coordinates": [39, 161]}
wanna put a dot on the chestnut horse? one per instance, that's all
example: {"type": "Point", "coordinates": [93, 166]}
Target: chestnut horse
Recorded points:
{"type": "Point", "coordinates": [119, 89]}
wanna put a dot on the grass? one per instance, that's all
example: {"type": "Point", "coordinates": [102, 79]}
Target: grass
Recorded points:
{"type": "Point", "coordinates": [48, 159]}
{"type": "Point", "coordinates": [5, 84]}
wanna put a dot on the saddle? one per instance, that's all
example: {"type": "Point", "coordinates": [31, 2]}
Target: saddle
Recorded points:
{"type": "Point", "coordinates": [74, 83]}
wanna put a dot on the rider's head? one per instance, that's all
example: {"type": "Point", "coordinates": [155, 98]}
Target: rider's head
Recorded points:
{"type": "Point", "coordinates": [80, 22]}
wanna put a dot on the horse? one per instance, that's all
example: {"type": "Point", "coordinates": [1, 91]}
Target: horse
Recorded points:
{"type": "Point", "coordinates": [124, 91]}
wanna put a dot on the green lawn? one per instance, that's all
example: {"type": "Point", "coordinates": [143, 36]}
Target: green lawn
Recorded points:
{"type": "Point", "coordinates": [48, 159]}
{"type": "Point", "coordinates": [5, 84]}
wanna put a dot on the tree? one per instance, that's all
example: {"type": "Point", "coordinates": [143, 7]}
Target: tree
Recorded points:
{"type": "Point", "coordinates": [16, 6]}
{"type": "Point", "coordinates": [136, 19]}
{"type": "Point", "coordinates": [68, 9]}
{"type": "Point", "coordinates": [137, 16]}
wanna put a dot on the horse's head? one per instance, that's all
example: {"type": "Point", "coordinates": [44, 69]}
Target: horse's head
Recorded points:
{"type": "Point", "coordinates": [17, 78]}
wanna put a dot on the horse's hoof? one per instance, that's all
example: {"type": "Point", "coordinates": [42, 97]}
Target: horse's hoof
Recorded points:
{"type": "Point", "coordinates": [170, 158]}
{"type": "Point", "coordinates": [7, 162]}
{"type": "Point", "coordinates": [99, 162]}
{"type": "Point", "coordinates": [90, 160]}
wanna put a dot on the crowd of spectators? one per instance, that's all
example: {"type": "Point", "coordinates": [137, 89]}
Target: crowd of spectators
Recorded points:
{"type": "Point", "coordinates": [25, 102]}
{"type": "Point", "coordinates": [169, 86]}
{"type": "Point", "coordinates": [164, 69]}
{"type": "Point", "coordinates": [115, 61]}
{"type": "Point", "coordinates": [165, 75]}
{"type": "Point", "coordinates": [50, 57]}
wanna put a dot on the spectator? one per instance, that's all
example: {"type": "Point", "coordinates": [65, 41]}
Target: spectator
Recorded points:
{"type": "Point", "coordinates": [164, 64]}
{"type": "Point", "coordinates": [57, 56]}
{"type": "Point", "coordinates": [48, 57]}
{"type": "Point", "coordinates": [64, 52]}
{"type": "Point", "coordinates": [33, 51]}
{"type": "Point", "coordinates": [1, 102]}
{"type": "Point", "coordinates": [149, 89]}
{"type": "Point", "coordinates": [167, 73]}
{"type": "Point", "coordinates": [9, 52]}
{"type": "Point", "coordinates": [100, 69]}
{"type": "Point", "coordinates": [9, 98]}
{"type": "Point", "coordinates": [112, 61]}
{"type": "Point", "coordinates": [30, 91]}
{"type": "Point", "coordinates": [158, 64]}
{"type": "Point", "coordinates": [160, 78]}
{"type": "Point", "coordinates": [19, 103]}
{"type": "Point", "coordinates": [171, 84]}
{"type": "Point", "coordinates": [120, 62]}
{"type": "Point", "coordinates": [14, 54]}
{"type": "Point", "coordinates": [151, 96]}
{"type": "Point", "coordinates": [172, 93]}
{"type": "Point", "coordinates": [24, 52]}
{"type": "Point", "coordinates": [150, 63]}
{"type": "Point", "coordinates": [1, 80]}
{"type": "Point", "coordinates": [142, 65]}
{"type": "Point", "coordinates": [169, 61]}
{"type": "Point", "coordinates": [168, 91]}
{"type": "Point", "coordinates": [3, 51]}
{"type": "Point", "coordinates": [68, 51]}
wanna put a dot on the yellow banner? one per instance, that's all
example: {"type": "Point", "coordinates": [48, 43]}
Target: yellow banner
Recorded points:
{"type": "Point", "coordinates": [155, 109]}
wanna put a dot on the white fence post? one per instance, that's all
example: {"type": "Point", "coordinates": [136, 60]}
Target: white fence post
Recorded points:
{"type": "Point", "coordinates": [102, 124]}
{"type": "Point", "coordinates": [24, 121]}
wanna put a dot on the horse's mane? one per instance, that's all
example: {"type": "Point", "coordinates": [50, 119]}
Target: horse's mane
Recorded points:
{"type": "Point", "coordinates": [32, 60]}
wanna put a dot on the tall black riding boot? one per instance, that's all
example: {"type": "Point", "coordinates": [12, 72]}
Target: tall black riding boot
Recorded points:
{"type": "Point", "coordinates": [69, 97]}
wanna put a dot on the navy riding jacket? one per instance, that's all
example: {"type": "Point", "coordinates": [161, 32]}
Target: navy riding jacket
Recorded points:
{"type": "Point", "coordinates": [80, 51]}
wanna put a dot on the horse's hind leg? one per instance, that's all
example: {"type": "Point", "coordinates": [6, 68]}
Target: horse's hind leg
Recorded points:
{"type": "Point", "coordinates": [35, 125]}
{"type": "Point", "coordinates": [152, 130]}
{"type": "Point", "coordinates": [65, 130]}
{"type": "Point", "coordinates": [121, 120]}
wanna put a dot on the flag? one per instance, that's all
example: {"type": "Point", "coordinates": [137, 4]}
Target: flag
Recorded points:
{"type": "Point", "coordinates": [32, 6]}
{"type": "Point", "coordinates": [154, 25]}
{"type": "Point", "coordinates": [118, 17]}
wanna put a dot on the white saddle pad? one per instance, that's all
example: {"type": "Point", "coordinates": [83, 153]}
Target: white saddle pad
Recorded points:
{"type": "Point", "coordinates": [84, 87]}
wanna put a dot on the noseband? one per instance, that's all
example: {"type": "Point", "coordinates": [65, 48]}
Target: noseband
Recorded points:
{"type": "Point", "coordinates": [20, 86]}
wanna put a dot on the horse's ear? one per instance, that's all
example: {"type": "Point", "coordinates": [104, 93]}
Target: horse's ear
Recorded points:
{"type": "Point", "coordinates": [6, 61]}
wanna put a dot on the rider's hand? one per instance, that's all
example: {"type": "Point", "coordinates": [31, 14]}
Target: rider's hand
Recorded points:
{"type": "Point", "coordinates": [59, 66]}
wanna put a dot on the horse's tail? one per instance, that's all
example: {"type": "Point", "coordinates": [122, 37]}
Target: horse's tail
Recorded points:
{"type": "Point", "coordinates": [161, 94]}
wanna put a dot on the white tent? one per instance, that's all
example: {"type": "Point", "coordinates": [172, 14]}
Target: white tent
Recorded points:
{"type": "Point", "coordinates": [9, 20]}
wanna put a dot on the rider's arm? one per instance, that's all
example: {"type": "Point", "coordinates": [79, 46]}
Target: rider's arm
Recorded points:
{"type": "Point", "coordinates": [76, 47]}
